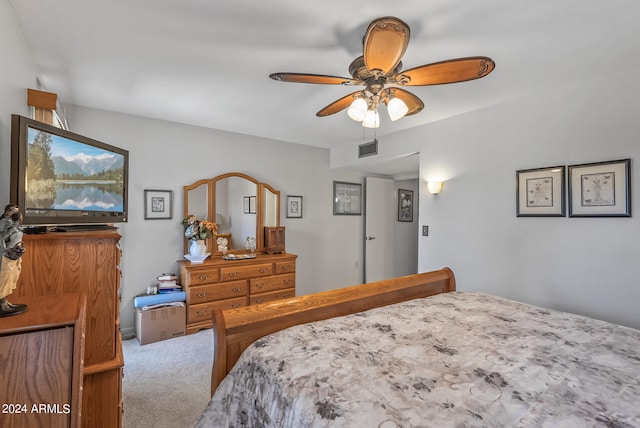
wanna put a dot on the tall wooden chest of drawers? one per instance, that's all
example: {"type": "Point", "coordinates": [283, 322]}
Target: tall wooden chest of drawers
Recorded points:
{"type": "Point", "coordinates": [227, 284]}
{"type": "Point", "coordinates": [88, 263]}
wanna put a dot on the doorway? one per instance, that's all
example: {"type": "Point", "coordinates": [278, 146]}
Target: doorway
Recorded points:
{"type": "Point", "coordinates": [390, 245]}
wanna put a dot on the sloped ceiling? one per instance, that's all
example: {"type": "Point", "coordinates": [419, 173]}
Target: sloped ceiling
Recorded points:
{"type": "Point", "coordinates": [207, 63]}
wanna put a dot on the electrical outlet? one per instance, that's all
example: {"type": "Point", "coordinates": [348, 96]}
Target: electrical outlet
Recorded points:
{"type": "Point", "coordinates": [425, 230]}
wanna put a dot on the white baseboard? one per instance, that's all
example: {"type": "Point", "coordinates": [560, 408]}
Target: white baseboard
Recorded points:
{"type": "Point", "coordinates": [128, 333]}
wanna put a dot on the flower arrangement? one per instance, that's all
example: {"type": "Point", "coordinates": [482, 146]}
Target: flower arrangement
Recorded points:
{"type": "Point", "coordinates": [196, 229]}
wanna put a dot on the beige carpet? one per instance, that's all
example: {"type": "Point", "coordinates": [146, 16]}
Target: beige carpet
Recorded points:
{"type": "Point", "coordinates": [166, 383]}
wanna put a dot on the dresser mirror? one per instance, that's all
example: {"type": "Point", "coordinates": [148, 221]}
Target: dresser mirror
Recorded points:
{"type": "Point", "coordinates": [271, 206]}
{"type": "Point", "coordinates": [197, 196]}
{"type": "Point", "coordinates": [241, 206]}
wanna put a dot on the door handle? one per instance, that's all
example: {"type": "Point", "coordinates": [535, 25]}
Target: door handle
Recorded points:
{"type": "Point", "coordinates": [369, 238]}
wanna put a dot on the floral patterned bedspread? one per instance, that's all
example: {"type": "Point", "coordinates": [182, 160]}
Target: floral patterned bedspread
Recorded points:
{"type": "Point", "coordinates": [451, 360]}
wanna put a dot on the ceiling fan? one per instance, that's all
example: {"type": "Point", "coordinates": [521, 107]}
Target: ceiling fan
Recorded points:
{"type": "Point", "coordinates": [380, 66]}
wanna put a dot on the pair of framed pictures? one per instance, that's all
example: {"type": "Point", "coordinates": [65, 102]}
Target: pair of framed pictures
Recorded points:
{"type": "Point", "coordinates": [600, 189]}
{"type": "Point", "coordinates": [347, 200]}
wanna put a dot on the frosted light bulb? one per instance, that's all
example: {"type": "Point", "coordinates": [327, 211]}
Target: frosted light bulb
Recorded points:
{"type": "Point", "coordinates": [397, 108]}
{"type": "Point", "coordinates": [358, 109]}
{"type": "Point", "coordinates": [371, 119]}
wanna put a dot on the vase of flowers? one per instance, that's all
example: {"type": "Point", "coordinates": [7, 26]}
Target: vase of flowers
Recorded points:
{"type": "Point", "coordinates": [197, 247]}
{"type": "Point", "coordinates": [197, 231]}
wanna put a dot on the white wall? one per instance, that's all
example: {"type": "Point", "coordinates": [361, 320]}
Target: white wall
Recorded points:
{"type": "Point", "coordinates": [167, 156]}
{"type": "Point", "coordinates": [17, 73]}
{"type": "Point", "coordinates": [583, 265]}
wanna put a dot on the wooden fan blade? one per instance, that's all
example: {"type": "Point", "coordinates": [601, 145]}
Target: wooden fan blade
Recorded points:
{"type": "Point", "coordinates": [385, 42]}
{"type": "Point", "coordinates": [414, 103]}
{"type": "Point", "coordinates": [338, 105]}
{"type": "Point", "coordinates": [451, 71]}
{"type": "Point", "coordinates": [313, 78]}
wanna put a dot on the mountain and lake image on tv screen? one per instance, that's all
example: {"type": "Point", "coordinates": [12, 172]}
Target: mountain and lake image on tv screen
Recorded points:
{"type": "Point", "coordinates": [63, 174]}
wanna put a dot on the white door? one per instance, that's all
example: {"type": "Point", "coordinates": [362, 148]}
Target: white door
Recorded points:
{"type": "Point", "coordinates": [379, 219]}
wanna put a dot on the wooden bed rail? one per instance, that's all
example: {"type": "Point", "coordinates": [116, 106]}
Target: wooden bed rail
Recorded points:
{"type": "Point", "coordinates": [234, 330]}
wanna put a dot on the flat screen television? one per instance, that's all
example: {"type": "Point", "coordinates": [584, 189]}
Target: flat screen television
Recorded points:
{"type": "Point", "coordinates": [62, 178]}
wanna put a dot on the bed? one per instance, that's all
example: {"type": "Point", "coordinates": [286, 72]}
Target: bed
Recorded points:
{"type": "Point", "coordinates": [414, 352]}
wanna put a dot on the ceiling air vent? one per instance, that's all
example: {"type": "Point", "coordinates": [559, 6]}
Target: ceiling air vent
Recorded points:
{"type": "Point", "coordinates": [368, 149]}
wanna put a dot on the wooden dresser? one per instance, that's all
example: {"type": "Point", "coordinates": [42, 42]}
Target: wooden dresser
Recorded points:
{"type": "Point", "coordinates": [84, 263]}
{"type": "Point", "coordinates": [42, 354]}
{"type": "Point", "coordinates": [227, 284]}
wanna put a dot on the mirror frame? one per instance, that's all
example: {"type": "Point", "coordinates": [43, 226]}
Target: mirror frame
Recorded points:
{"type": "Point", "coordinates": [211, 208]}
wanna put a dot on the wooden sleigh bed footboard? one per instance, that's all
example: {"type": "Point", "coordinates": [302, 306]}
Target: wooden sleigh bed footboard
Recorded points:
{"type": "Point", "coordinates": [234, 330]}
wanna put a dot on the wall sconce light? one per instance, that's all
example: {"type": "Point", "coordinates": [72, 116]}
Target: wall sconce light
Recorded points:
{"type": "Point", "coordinates": [435, 187]}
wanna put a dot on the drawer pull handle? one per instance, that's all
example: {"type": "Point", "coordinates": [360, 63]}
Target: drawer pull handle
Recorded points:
{"type": "Point", "coordinates": [236, 289]}
{"type": "Point", "coordinates": [203, 294]}
{"type": "Point", "coordinates": [285, 267]}
{"type": "Point", "coordinates": [203, 277]}
{"type": "Point", "coordinates": [260, 285]}
{"type": "Point", "coordinates": [263, 270]}
{"type": "Point", "coordinates": [205, 312]}
{"type": "Point", "coordinates": [237, 305]}
{"type": "Point", "coordinates": [289, 281]}
{"type": "Point", "coordinates": [232, 274]}
{"type": "Point", "coordinates": [259, 301]}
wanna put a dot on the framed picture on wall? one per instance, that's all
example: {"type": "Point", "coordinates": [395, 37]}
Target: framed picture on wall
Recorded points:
{"type": "Point", "coordinates": [294, 206]}
{"type": "Point", "coordinates": [405, 205]}
{"type": "Point", "coordinates": [157, 204]}
{"type": "Point", "coordinates": [249, 205]}
{"type": "Point", "coordinates": [347, 198]}
{"type": "Point", "coordinates": [600, 189]}
{"type": "Point", "coordinates": [540, 192]}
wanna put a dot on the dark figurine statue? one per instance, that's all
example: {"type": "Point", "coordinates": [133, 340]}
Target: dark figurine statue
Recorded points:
{"type": "Point", "coordinates": [12, 249]}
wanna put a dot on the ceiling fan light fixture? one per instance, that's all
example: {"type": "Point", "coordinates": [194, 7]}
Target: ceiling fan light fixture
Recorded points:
{"type": "Point", "coordinates": [371, 119]}
{"type": "Point", "coordinates": [380, 65]}
{"type": "Point", "coordinates": [358, 109]}
{"type": "Point", "coordinates": [397, 108]}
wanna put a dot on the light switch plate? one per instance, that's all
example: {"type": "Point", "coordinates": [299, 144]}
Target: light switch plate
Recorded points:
{"type": "Point", "coordinates": [425, 230]}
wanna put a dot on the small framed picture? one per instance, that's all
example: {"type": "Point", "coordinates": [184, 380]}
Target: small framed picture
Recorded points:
{"type": "Point", "coordinates": [249, 205]}
{"type": "Point", "coordinates": [294, 206]}
{"type": "Point", "coordinates": [600, 189]}
{"type": "Point", "coordinates": [540, 192]}
{"type": "Point", "coordinates": [157, 204]}
{"type": "Point", "coordinates": [405, 205]}
{"type": "Point", "coordinates": [347, 198]}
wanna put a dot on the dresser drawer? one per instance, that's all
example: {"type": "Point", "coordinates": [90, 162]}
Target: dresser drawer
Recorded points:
{"type": "Point", "coordinates": [285, 267]}
{"type": "Point", "coordinates": [204, 276]}
{"type": "Point", "coordinates": [272, 283]}
{"type": "Point", "coordinates": [204, 311]}
{"type": "Point", "coordinates": [208, 293]}
{"type": "Point", "coordinates": [241, 272]}
{"type": "Point", "coordinates": [271, 296]}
